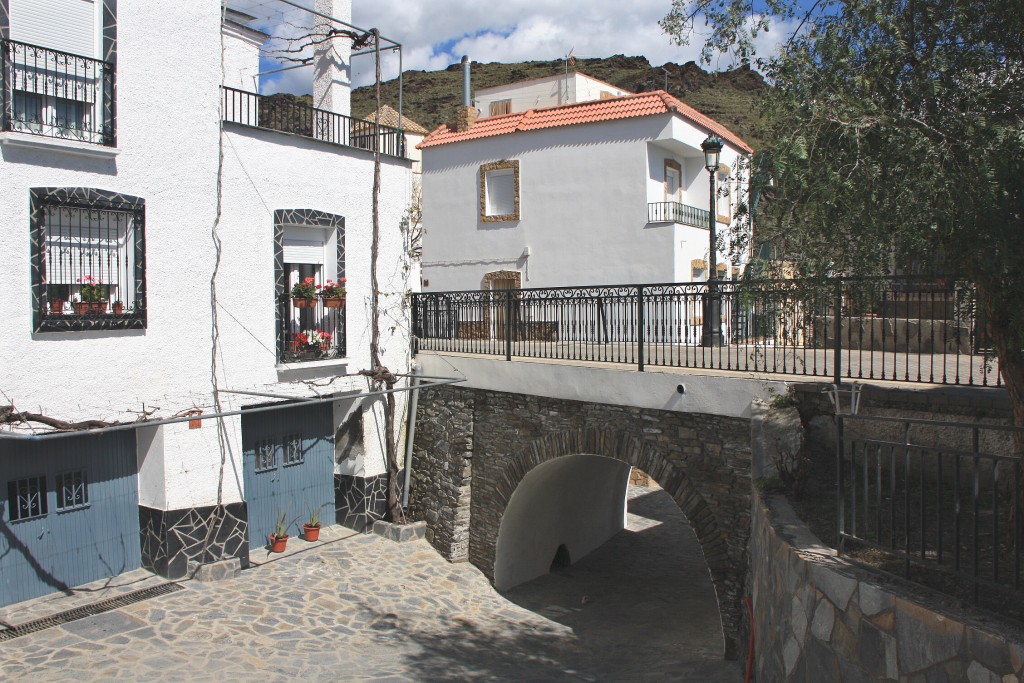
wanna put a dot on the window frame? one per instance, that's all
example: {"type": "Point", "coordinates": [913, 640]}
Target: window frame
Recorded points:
{"type": "Point", "coordinates": [723, 192]}
{"type": "Point", "coordinates": [503, 165]}
{"type": "Point", "coordinates": [500, 107]}
{"type": "Point", "coordinates": [89, 199]}
{"type": "Point", "coordinates": [673, 165]}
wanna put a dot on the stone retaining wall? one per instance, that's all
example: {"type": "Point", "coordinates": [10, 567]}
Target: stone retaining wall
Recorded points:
{"type": "Point", "coordinates": [819, 618]}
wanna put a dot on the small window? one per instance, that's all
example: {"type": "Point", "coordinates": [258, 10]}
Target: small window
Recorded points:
{"type": "Point", "coordinates": [605, 95]}
{"type": "Point", "coordinates": [499, 191]}
{"type": "Point", "coordinates": [72, 491]}
{"type": "Point", "coordinates": [266, 456]}
{"type": "Point", "coordinates": [698, 269]}
{"type": "Point", "coordinates": [26, 498]}
{"type": "Point", "coordinates": [293, 453]}
{"type": "Point", "coordinates": [724, 203]}
{"type": "Point", "coordinates": [88, 249]}
{"type": "Point", "coordinates": [500, 107]}
{"type": "Point", "coordinates": [673, 181]}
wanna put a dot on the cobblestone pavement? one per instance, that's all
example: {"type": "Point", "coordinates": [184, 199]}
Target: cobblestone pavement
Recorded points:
{"type": "Point", "coordinates": [365, 609]}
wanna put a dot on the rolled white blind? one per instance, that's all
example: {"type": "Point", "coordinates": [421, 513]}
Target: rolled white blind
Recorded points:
{"type": "Point", "coordinates": [303, 251]}
{"type": "Point", "coordinates": [62, 25]}
{"type": "Point", "coordinates": [501, 193]}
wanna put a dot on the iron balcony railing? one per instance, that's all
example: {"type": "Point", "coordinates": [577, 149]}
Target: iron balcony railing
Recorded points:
{"type": "Point", "coordinates": [674, 212]}
{"type": "Point", "coordinates": [893, 329]}
{"type": "Point", "coordinates": [272, 113]}
{"type": "Point", "coordinates": [946, 516]}
{"type": "Point", "coordinates": [311, 330]}
{"type": "Point", "coordinates": [56, 94]}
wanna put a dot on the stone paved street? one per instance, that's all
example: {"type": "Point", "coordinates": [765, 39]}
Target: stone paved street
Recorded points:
{"type": "Point", "coordinates": [362, 608]}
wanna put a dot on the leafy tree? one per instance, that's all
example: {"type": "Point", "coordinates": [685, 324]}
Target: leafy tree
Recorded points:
{"type": "Point", "coordinates": [897, 140]}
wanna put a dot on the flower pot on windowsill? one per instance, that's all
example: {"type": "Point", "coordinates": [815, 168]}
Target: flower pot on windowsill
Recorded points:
{"type": "Point", "coordinates": [334, 302]}
{"type": "Point", "coordinates": [89, 307]}
{"type": "Point", "coordinates": [56, 306]}
{"type": "Point", "coordinates": [118, 307]}
{"type": "Point", "coordinates": [299, 302]}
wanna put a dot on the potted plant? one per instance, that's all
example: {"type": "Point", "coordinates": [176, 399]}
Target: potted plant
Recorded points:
{"type": "Point", "coordinates": [279, 539]}
{"type": "Point", "coordinates": [92, 296]}
{"type": "Point", "coordinates": [332, 293]}
{"type": "Point", "coordinates": [303, 293]}
{"type": "Point", "coordinates": [118, 307]}
{"type": "Point", "coordinates": [56, 306]}
{"type": "Point", "coordinates": [311, 529]}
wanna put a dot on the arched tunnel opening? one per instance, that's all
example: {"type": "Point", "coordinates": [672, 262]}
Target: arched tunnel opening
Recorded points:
{"type": "Point", "coordinates": [594, 545]}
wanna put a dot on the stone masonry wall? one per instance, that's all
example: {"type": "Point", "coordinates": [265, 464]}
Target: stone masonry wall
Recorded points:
{"type": "Point", "coordinates": [703, 461]}
{"type": "Point", "coordinates": [819, 618]}
{"type": "Point", "coordinates": [439, 492]}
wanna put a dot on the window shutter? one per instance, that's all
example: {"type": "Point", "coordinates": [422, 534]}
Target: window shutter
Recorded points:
{"type": "Point", "coordinates": [62, 25]}
{"type": "Point", "coordinates": [303, 251]}
{"type": "Point", "coordinates": [500, 107]}
{"type": "Point", "coordinates": [501, 193]}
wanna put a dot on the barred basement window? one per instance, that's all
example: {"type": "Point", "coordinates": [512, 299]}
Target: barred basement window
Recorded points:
{"type": "Point", "coordinates": [26, 498]}
{"type": "Point", "coordinates": [293, 454]}
{"type": "Point", "coordinates": [266, 455]}
{"type": "Point", "coordinates": [72, 491]}
{"type": "Point", "coordinates": [88, 258]}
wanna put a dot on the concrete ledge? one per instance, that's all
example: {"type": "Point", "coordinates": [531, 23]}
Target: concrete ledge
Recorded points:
{"type": "Point", "coordinates": [216, 571]}
{"type": "Point", "coordinates": [400, 533]}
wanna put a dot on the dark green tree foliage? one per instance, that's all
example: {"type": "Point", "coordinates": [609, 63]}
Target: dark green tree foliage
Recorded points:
{"type": "Point", "coordinates": [895, 140]}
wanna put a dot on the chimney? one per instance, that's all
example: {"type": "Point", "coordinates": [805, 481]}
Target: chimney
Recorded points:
{"type": "Point", "coordinates": [467, 113]}
{"type": "Point", "coordinates": [332, 58]}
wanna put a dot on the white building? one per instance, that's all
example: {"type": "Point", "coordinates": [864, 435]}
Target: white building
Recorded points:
{"type": "Point", "coordinates": [155, 222]}
{"type": "Point", "coordinates": [578, 184]}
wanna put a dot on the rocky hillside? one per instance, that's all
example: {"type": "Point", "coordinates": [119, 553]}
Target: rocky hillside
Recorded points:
{"type": "Point", "coordinates": [730, 97]}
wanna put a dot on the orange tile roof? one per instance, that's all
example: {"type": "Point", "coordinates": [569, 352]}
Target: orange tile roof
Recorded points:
{"type": "Point", "coordinates": [631, 106]}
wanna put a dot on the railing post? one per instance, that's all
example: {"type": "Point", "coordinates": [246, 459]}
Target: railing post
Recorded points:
{"type": "Point", "coordinates": [415, 322]}
{"type": "Point", "coordinates": [508, 324]}
{"type": "Point", "coordinates": [837, 356]}
{"type": "Point", "coordinates": [840, 486]}
{"type": "Point", "coordinates": [6, 81]}
{"type": "Point", "coordinates": [640, 327]}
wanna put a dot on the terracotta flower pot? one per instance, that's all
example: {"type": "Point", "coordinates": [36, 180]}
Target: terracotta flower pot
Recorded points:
{"type": "Point", "coordinates": [277, 543]}
{"type": "Point", "coordinates": [89, 307]}
{"type": "Point", "coordinates": [299, 302]}
{"type": "Point", "coordinates": [57, 306]}
{"type": "Point", "coordinates": [311, 533]}
{"type": "Point", "coordinates": [334, 303]}
{"type": "Point", "coordinates": [118, 308]}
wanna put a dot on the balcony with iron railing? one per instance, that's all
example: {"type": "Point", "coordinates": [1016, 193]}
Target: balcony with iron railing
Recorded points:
{"type": "Point", "coordinates": [674, 212]}
{"type": "Point", "coordinates": [311, 330]}
{"type": "Point", "coordinates": [271, 113]}
{"type": "Point", "coordinates": [56, 94]}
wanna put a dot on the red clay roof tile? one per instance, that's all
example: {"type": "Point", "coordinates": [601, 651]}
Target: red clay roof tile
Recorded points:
{"type": "Point", "coordinates": [631, 106]}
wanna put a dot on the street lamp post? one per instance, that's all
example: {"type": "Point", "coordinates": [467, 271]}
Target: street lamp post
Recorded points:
{"type": "Point", "coordinates": [712, 328]}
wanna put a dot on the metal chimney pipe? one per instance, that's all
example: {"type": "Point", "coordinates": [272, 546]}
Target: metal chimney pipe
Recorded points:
{"type": "Point", "coordinates": [467, 101]}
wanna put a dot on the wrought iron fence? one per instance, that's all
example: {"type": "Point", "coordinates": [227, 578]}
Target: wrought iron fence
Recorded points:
{"type": "Point", "coordinates": [674, 212]}
{"type": "Point", "coordinates": [922, 503]}
{"type": "Point", "coordinates": [56, 94]}
{"type": "Point", "coordinates": [894, 329]}
{"type": "Point", "coordinates": [311, 329]}
{"type": "Point", "coordinates": [287, 116]}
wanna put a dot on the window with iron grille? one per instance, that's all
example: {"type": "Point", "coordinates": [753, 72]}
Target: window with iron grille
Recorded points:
{"type": "Point", "coordinates": [26, 498]}
{"type": "Point", "coordinates": [293, 453]}
{"type": "Point", "coordinates": [266, 455]}
{"type": "Point", "coordinates": [88, 258]}
{"type": "Point", "coordinates": [72, 491]}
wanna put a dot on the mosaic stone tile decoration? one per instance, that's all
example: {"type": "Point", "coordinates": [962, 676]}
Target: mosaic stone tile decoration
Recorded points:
{"type": "Point", "coordinates": [360, 501]}
{"type": "Point", "coordinates": [84, 198]}
{"type": "Point", "coordinates": [173, 538]}
{"type": "Point", "coordinates": [311, 218]}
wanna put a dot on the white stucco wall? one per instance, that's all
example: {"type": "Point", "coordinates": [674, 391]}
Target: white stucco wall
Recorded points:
{"type": "Point", "coordinates": [168, 140]}
{"type": "Point", "coordinates": [549, 91]}
{"type": "Point", "coordinates": [583, 210]}
{"type": "Point", "coordinates": [576, 500]}
{"type": "Point", "coordinates": [242, 57]}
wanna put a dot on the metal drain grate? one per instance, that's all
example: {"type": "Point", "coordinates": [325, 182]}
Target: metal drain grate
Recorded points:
{"type": "Point", "coordinates": [88, 610]}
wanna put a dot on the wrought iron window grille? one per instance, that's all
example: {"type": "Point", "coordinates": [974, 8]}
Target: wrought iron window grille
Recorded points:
{"type": "Point", "coordinates": [56, 94]}
{"type": "Point", "coordinates": [26, 498]}
{"type": "Point", "coordinates": [266, 456]}
{"type": "Point", "coordinates": [72, 491]}
{"type": "Point", "coordinates": [293, 453]}
{"type": "Point", "coordinates": [88, 260]}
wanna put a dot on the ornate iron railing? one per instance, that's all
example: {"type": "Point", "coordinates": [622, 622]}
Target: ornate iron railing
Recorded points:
{"type": "Point", "coordinates": [274, 113]}
{"type": "Point", "coordinates": [674, 212]}
{"type": "Point", "coordinates": [888, 329]}
{"type": "Point", "coordinates": [908, 495]}
{"type": "Point", "coordinates": [311, 330]}
{"type": "Point", "coordinates": [56, 94]}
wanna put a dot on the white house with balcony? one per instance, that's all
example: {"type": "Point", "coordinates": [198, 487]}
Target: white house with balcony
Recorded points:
{"type": "Point", "coordinates": [566, 181]}
{"type": "Point", "coordinates": [157, 213]}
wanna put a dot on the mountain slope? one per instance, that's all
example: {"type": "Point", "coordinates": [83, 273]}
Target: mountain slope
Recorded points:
{"type": "Point", "coordinates": [431, 97]}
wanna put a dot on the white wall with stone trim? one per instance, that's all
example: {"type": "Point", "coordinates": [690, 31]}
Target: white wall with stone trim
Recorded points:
{"type": "Point", "coordinates": [169, 152]}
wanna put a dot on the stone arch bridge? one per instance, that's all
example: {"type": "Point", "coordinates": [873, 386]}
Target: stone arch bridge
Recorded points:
{"type": "Point", "coordinates": [504, 478]}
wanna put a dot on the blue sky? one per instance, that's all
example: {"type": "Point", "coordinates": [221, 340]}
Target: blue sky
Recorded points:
{"type": "Point", "coordinates": [436, 34]}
